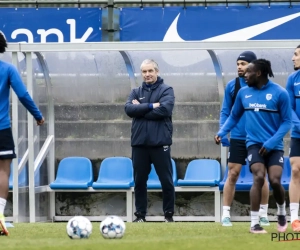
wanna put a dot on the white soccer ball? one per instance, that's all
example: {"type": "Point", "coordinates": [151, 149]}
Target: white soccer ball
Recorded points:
{"type": "Point", "coordinates": [79, 227]}
{"type": "Point", "coordinates": [112, 227]}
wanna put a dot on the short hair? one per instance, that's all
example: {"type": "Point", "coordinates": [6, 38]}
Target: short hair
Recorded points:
{"type": "Point", "coordinates": [264, 66]}
{"type": "Point", "coordinates": [298, 47]}
{"type": "Point", "coordinates": [150, 61]}
{"type": "Point", "coordinates": [3, 43]}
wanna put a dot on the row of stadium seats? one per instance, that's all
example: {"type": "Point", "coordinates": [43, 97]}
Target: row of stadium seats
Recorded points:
{"type": "Point", "coordinates": [117, 173]}
{"type": "Point", "coordinates": [77, 173]}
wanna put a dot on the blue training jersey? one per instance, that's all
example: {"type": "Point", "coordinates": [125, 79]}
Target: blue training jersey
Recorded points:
{"type": "Point", "coordinates": [9, 77]}
{"type": "Point", "coordinates": [239, 131]}
{"type": "Point", "coordinates": [293, 88]}
{"type": "Point", "coordinates": [268, 115]}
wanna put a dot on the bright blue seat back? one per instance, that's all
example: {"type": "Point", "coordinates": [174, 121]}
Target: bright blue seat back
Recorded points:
{"type": "Point", "coordinates": [153, 177]}
{"type": "Point", "coordinates": [222, 183]}
{"type": "Point", "coordinates": [37, 176]}
{"type": "Point", "coordinates": [245, 174]}
{"type": "Point", "coordinates": [73, 173]}
{"type": "Point", "coordinates": [115, 172]}
{"type": "Point", "coordinates": [286, 173]}
{"type": "Point", "coordinates": [153, 180]}
{"type": "Point", "coordinates": [202, 172]}
{"type": "Point", "coordinates": [245, 180]}
{"type": "Point", "coordinates": [23, 177]}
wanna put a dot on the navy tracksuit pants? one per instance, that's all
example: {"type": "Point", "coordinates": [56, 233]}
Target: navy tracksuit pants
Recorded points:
{"type": "Point", "coordinates": [142, 157]}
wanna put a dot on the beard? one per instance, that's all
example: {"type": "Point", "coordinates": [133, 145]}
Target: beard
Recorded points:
{"type": "Point", "coordinates": [296, 68]}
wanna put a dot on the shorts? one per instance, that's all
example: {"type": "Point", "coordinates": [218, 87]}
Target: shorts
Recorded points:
{"type": "Point", "coordinates": [7, 146]}
{"type": "Point", "coordinates": [295, 147]}
{"type": "Point", "coordinates": [274, 157]}
{"type": "Point", "coordinates": [237, 151]}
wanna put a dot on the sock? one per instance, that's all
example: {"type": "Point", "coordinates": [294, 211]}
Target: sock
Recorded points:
{"type": "Point", "coordinates": [226, 212]}
{"type": "Point", "coordinates": [281, 209]}
{"type": "Point", "coordinates": [2, 205]}
{"type": "Point", "coordinates": [254, 218]}
{"type": "Point", "coordinates": [294, 208]}
{"type": "Point", "coordinates": [263, 210]}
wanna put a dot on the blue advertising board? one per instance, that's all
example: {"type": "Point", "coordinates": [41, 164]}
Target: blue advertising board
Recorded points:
{"type": "Point", "coordinates": [214, 23]}
{"type": "Point", "coordinates": [51, 24]}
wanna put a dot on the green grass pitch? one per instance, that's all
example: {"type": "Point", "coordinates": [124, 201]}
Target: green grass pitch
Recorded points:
{"type": "Point", "coordinates": [143, 236]}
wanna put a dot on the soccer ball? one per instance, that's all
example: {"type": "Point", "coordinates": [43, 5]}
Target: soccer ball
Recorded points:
{"type": "Point", "coordinates": [79, 227]}
{"type": "Point", "coordinates": [112, 227]}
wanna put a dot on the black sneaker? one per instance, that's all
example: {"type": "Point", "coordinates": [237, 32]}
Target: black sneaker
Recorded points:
{"type": "Point", "coordinates": [257, 229]}
{"type": "Point", "coordinates": [139, 217]}
{"type": "Point", "coordinates": [282, 223]}
{"type": "Point", "coordinates": [169, 217]}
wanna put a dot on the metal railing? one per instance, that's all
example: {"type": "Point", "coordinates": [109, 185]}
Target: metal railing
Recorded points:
{"type": "Point", "coordinates": [123, 48]}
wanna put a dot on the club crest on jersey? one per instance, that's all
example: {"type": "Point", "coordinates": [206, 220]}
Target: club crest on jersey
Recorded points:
{"type": "Point", "coordinates": [249, 157]}
{"type": "Point", "coordinates": [269, 97]}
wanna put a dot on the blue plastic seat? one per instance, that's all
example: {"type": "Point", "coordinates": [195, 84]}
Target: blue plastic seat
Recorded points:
{"type": "Point", "coordinates": [286, 173]}
{"type": "Point", "coordinates": [73, 173]}
{"type": "Point", "coordinates": [23, 177]}
{"type": "Point", "coordinates": [37, 176]}
{"type": "Point", "coordinates": [202, 172]}
{"type": "Point", "coordinates": [244, 182]}
{"type": "Point", "coordinates": [153, 180]}
{"type": "Point", "coordinates": [222, 183]}
{"type": "Point", "coordinates": [115, 173]}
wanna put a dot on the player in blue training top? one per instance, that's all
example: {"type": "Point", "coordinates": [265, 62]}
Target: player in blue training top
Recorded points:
{"type": "Point", "coordinates": [268, 115]}
{"type": "Point", "coordinates": [237, 147]}
{"type": "Point", "coordinates": [9, 77]}
{"type": "Point", "coordinates": [293, 88]}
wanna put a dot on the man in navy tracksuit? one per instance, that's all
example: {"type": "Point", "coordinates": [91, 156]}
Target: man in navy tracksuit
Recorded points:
{"type": "Point", "coordinates": [268, 118]}
{"type": "Point", "coordinates": [151, 107]}
{"type": "Point", "coordinates": [293, 88]}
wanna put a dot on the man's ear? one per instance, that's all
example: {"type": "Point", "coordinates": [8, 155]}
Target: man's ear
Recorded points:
{"type": "Point", "coordinates": [258, 73]}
